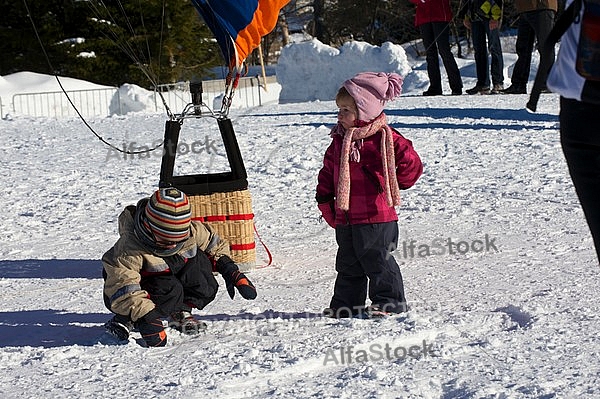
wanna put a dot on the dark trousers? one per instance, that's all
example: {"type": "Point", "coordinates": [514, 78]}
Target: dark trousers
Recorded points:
{"type": "Point", "coordinates": [436, 39]}
{"type": "Point", "coordinates": [580, 139]}
{"type": "Point", "coordinates": [192, 285]}
{"type": "Point", "coordinates": [364, 259]}
{"type": "Point", "coordinates": [532, 25]}
{"type": "Point", "coordinates": [480, 30]}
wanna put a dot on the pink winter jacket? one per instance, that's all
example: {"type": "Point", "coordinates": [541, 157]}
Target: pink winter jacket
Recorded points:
{"type": "Point", "coordinates": [367, 200]}
{"type": "Point", "coordinates": [432, 11]}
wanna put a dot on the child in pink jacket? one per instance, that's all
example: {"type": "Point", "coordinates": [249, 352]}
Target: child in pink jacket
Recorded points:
{"type": "Point", "coordinates": [364, 169]}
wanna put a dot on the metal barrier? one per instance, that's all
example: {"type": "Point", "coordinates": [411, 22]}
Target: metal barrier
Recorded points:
{"type": "Point", "coordinates": [94, 102]}
{"type": "Point", "coordinates": [104, 102]}
{"type": "Point", "coordinates": [177, 95]}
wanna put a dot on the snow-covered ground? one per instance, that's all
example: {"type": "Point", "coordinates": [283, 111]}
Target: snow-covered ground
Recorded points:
{"type": "Point", "coordinates": [512, 312]}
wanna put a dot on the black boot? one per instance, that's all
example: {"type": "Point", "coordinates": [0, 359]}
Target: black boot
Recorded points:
{"type": "Point", "coordinates": [184, 322]}
{"type": "Point", "coordinates": [119, 327]}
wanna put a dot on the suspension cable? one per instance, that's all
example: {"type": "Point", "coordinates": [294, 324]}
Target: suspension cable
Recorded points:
{"type": "Point", "coordinates": [147, 73]}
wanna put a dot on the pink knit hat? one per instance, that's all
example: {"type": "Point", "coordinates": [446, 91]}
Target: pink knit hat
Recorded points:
{"type": "Point", "coordinates": [371, 90]}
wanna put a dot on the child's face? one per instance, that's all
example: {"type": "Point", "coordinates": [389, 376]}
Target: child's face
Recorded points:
{"type": "Point", "coordinates": [347, 112]}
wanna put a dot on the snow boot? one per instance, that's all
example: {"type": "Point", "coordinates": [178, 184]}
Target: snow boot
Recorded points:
{"type": "Point", "coordinates": [184, 322]}
{"type": "Point", "coordinates": [119, 327]}
{"type": "Point", "coordinates": [339, 313]}
{"type": "Point", "coordinates": [375, 312]}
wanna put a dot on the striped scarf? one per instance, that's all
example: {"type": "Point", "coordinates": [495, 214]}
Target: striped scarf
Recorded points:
{"type": "Point", "coordinates": [351, 144]}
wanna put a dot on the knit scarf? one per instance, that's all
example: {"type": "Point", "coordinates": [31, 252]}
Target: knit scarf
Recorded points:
{"type": "Point", "coordinates": [351, 144]}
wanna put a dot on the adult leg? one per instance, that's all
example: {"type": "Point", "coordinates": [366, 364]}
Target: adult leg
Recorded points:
{"type": "Point", "coordinates": [350, 289]}
{"type": "Point", "coordinates": [524, 48]}
{"type": "Point", "coordinates": [542, 24]}
{"type": "Point", "coordinates": [478, 34]}
{"type": "Point", "coordinates": [442, 38]}
{"type": "Point", "coordinates": [431, 57]}
{"type": "Point", "coordinates": [581, 146]}
{"type": "Point", "coordinates": [372, 243]}
{"type": "Point", "coordinates": [497, 67]}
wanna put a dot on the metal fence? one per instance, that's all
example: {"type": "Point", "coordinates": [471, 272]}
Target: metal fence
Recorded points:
{"type": "Point", "coordinates": [105, 102]}
{"type": "Point", "coordinates": [89, 103]}
{"type": "Point", "coordinates": [177, 95]}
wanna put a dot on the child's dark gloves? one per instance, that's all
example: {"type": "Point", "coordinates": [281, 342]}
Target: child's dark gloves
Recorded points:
{"type": "Point", "coordinates": [152, 329]}
{"type": "Point", "coordinates": [235, 279]}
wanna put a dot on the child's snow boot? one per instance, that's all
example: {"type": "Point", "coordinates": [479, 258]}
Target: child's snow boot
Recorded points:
{"type": "Point", "coordinates": [119, 327]}
{"type": "Point", "coordinates": [184, 322]}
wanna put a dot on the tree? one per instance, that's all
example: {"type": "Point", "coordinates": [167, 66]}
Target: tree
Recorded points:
{"type": "Point", "coordinates": [373, 21]}
{"type": "Point", "coordinates": [109, 42]}
{"type": "Point", "coordinates": [18, 44]}
{"type": "Point", "coordinates": [164, 42]}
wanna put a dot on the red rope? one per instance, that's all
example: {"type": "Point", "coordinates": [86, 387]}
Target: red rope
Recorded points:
{"type": "Point", "coordinates": [266, 249]}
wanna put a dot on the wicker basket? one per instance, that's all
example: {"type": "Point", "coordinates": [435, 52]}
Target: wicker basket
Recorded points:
{"type": "Point", "coordinates": [221, 200]}
{"type": "Point", "coordinates": [230, 216]}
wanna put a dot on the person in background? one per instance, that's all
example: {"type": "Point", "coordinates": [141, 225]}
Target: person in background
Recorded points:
{"type": "Point", "coordinates": [364, 168]}
{"type": "Point", "coordinates": [483, 18]}
{"type": "Point", "coordinates": [536, 19]}
{"type": "Point", "coordinates": [162, 267]}
{"type": "Point", "coordinates": [432, 17]}
{"type": "Point", "coordinates": [579, 121]}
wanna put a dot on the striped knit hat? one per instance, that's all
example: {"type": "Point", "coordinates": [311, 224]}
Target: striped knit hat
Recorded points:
{"type": "Point", "coordinates": [169, 214]}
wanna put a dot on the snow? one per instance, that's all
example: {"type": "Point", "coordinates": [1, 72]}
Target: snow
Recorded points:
{"type": "Point", "coordinates": [31, 82]}
{"type": "Point", "coordinates": [514, 316]}
{"type": "Point", "coordinates": [326, 68]}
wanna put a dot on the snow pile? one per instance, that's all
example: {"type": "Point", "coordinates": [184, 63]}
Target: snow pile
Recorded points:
{"type": "Point", "coordinates": [310, 71]}
{"type": "Point", "coordinates": [307, 71]}
{"type": "Point", "coordinates": [32, 82]}
{"type": "Point", "coordinates": [132, 98]}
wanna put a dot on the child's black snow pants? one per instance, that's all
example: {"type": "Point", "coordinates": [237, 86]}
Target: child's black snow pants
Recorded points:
{"type": "Point", "coordinates": [364, 259]}
{"type": "Point", "coordinates": [190, 283]}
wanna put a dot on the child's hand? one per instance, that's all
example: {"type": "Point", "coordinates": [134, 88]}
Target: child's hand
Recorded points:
{"type": "Point", "coordinates": [243, 284]}
{"type": "Point", "coordinates": [235, 279]}
{"type": "Point", "coordinates": [328, 212]}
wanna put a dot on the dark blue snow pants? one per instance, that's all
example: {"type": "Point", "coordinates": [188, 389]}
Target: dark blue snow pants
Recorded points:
{"type": "Point", "coordinates": [364, 259]}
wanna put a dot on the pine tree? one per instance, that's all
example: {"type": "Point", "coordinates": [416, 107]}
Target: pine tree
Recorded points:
{"type": "Point", "coordinates": [164, 42]}
{"type": "Point", "coordinates": [108, 42]}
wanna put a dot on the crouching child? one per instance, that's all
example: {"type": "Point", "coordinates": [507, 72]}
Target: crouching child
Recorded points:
{"type": "Point", "coordinates": [161, 268]}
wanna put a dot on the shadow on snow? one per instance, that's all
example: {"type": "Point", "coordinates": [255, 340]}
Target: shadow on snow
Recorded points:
{"type": "Point", "coordinates": [474, 119]}
{"type": "Point", "coordinates": [50, 328]}
{"type": "Point", "coordinates": [51, 268]}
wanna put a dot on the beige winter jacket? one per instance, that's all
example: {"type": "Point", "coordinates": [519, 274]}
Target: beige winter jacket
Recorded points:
{"type": "Point", "coordinates": [123, 264]}
{"type": "Point", "coordinates": [533, 5]}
